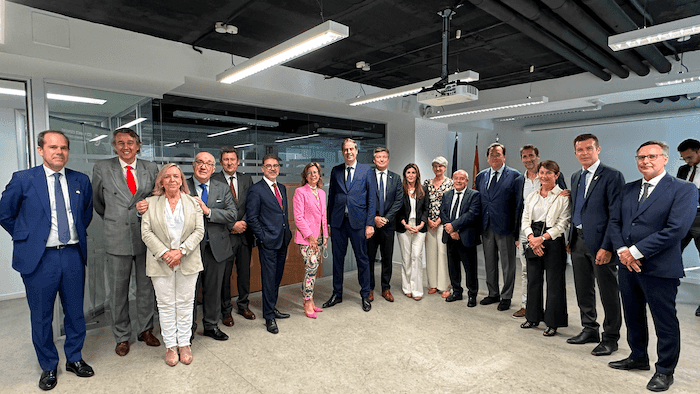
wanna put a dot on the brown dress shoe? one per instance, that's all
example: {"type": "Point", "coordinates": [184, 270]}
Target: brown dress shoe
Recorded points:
{"type": "Point", "coordinates": [247, 313]}
{"type": "Point", "coordinates": [228, 321]}
{"type": "Point", "coordinates": [387, 295]}
{"type": "Point", "coordinates": [122, 348]}
{"type": "Point", "coordinates": [148, 337]}
{"type": "Point", "coordinates": [371, 296]}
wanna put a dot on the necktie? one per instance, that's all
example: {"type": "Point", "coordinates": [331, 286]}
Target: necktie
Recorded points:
{"type": "Point", "coordinates": [494, 174]}
{"type": "Point", "coordinates": [233, 189]}
{"type": "Point", "coordinates": [205, 195]}
{"type": "Point", "coordinates": [692, 174]}
{"type": "Point", "coordinates": [455, 209]}
{"type": "Point", "coordinates": [381, 193]}
{"type": "Point", "coordinates": [130, 180]}
{"type": "Point", "coordinates": [348, 180]}
{"type": "Point", "coordinates": [277, 194]}
{"type": "Point", "coordinates": [580, 198]}
{"type": "Point", "coordinates": [61, 214]}
{"type": "Point", "coordinates": [645, 192]}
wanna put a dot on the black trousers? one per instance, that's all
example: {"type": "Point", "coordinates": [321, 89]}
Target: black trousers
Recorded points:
{"type": "Point", "coordinates": [459, 256]}
{"type": "Point", "coordinates": [382, 240]}
{"type": "Point", "coordinates": [553, 263]}
{"type": "Point", "coordinates": [271, 272]}
{"type": "Point", "coordinates": [241, 258]}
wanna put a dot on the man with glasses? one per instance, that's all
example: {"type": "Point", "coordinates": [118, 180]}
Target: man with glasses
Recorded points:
{"type": "Point", "coordinates": [219, 210]}
{"type": "Point", "coordinates": [689, 150]}
{"type": "Point", "coordinates": [655, 214]}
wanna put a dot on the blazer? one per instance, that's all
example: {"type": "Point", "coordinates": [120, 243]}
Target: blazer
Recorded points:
{"type": "Point", "coordinates": [683, 173]}
{"type": "Point", "coordinates": [422, 210]}
{"type": "Point", "coordinates": [469, 219]}
{"type": "Point", "coordinates": [117, 206]}
{"type": "Point", "coordinates": [244, 183]}
{"type": "Point", "coordinates": [558, 213]}
{"type": "Point", "coordinates": [157, 237]}
{"type": "Point", "coordinates": [221, 218]}
{"type": "Point", "coordinates": [393, 200]}
{"type": "Point", "coordinates": [309, 215]}
{"type": "Point", "coordinates": [266, 219]}
{"type": "Point", "coordinates": [25, 212]}
{"type": "Point", "coordinates": [657, 226]}
{"type": "Point", "coordinates": [502, 203]}
{"type": "Point", "coordinates": [359, 197]}
{"type": "Point", "coordinates": [603, 198]}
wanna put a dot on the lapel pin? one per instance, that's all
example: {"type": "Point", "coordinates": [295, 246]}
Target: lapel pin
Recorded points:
{"type": "Point", "coordinates": [77, 191]}
{"type": "Point", "coordinates": [595, 178]}
{"type": "Point", "coordinates": [218, 200]}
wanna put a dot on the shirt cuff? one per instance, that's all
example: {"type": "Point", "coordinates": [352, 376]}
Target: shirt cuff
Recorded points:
{"type": "Point", "coordinates": [527, 232]}
{"type": "Point", "coordinates": [636, 253]}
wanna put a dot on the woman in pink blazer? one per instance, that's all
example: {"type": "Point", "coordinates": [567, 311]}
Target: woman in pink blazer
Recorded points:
{"type": "Point", "coordinates": [312, 229]}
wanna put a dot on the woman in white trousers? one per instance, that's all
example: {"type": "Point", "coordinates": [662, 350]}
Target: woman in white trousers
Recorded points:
{"type": "Point", "coordinates": [435, 250]}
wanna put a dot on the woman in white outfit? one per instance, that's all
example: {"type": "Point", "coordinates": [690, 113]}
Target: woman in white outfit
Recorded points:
{"type": "Point", "coordinates": [435, 250]}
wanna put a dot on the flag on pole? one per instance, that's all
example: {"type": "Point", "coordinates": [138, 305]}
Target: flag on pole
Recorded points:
{"type": "Point", "coordinates": [454, 155]}
{"type": "Point", "coordinates": [476, 162]}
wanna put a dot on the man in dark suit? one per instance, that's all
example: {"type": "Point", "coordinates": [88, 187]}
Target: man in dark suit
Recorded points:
{"type": "Point", "coordinates": [219, 209]}
{"type": "Point", "coordinates": [120, 186]}
{"type": "Point", "coordinates": [595, 195]}
{"type": "Point", "coordinates": [268, 217]}
{"type": "Point", "coordinates": [351, 212]}
{"type": "Point", "coordinates": [46, 210]}
{"type": "Point", "coordinates": [388, 201]}
{"type": "Point", "coordinates": [655, 214]}
{"type": "Point", "coordinates": [460, 213]}
{"type": "Point", "coordinates": [501, 190]}
{"type": "Point", "coordinates": [241, 238]}
{"type": "Point", "coordinates": [690, 153]}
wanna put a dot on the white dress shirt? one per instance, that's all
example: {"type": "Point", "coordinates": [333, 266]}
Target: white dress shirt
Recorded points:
{"type": "Point", "coordinates": [589, 177]}
{"type": "Point", "coordinates": [53, 234]}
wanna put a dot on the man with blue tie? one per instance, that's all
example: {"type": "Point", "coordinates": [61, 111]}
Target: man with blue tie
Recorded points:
{"type": "Point", "coordinates": [351, 212]}
{"type": "Point", "coordinates": [389, 200]}
{"type": "Point", "coordinates": [655, 214]}
{"type": "Point", "coordinates": [46, 210]}
{"type": "Point", "coordinates": [501, 190]}
{"type": "Point", "coordinates": [268, 216]}
{"type": "Point", "coordinates": [595, 192]}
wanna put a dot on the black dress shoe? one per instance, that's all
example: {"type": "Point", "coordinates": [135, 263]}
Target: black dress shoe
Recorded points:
{"type": "Point", "coordinates": [472, 302]}
{"type": "Point", "coordinates": [604, 348]}
{"type": "Point", "coordinates": [80, 368]}
{"type": "Point", "coordinates": [453, 297]}
{"type": "Point", "coordinates": [280, 315]}
{"type": "Point", "coordinates": [215, 333]}
{"type": "Point", "coordinates": [629, 364]}
{"type": "Point", "coordinates": [504, 305]}
{"type": "Point", "coordinates": [271, 326]}
{"type": "Point", "coordinates": [366, 305]}
{"type": "Point", "coordinates": [697, 311]}
{"type": "Point", "coordinates": [332, 301]}
{"type": "Point", "coordinates": [660, 382]}
{"type": "Point", "coordinates": [48, 380]}
{"type": "Point", "coordinates": [585, 336]}
{"type": "Point", "coordinates": [490, 300]}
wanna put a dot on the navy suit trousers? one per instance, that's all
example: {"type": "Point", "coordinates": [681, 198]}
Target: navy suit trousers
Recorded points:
{"type": "Point", "coordinates": [340, 236]}
{"type": "Point", "coordinates": [271, 271]}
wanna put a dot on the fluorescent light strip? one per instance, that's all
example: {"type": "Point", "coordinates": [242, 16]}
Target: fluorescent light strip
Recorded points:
{"type": "Point", "coordinates": [679, 78]}
{"type": "Point", "coordinates": [99, 137]}
{"type": "Point", "coordinates": [177, 142]}
{"type": "Point", "coordinates": [54, 96]}
{"type": "Point", "coordinates": [224, 118]}
{"type": "Point", "coordinates": [312, 39]}
{"type": "Point", "coordinates": [476, 110]}
{"type": "Point", "coordinates": [132, 123]}
{"type": "Point", "coordinates": [654, 34]}
{"type": "Point", "coordinates": [227, 132]}
{"type": "Point", "coordinates": [243, 145]}
{"type": "Point", "coordinates": [297, 138]}
{"type": "Point", "coordinates": [13, 92]}
{"type": "Point", "coordinates": [3, 22]}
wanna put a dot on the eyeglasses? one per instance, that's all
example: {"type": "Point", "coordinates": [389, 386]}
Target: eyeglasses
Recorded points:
{"type": "Point", "coordinates": [200, 163]}
{"type": "Point", "coordinates": [650, 157]}
{"type": "Point", "coordinates": [271, 166]}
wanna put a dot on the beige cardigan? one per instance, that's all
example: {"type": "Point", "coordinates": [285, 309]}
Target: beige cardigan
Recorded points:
{"type": "Point", "coordinates": [558, 213]}
{"type": "Point", "coordinates": [157, 238]}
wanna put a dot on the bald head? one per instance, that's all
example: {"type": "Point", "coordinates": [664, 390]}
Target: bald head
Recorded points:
{"type": "Point", "coordinates": [460, 179]}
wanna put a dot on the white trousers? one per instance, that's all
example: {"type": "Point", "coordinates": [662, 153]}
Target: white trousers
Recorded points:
{"type": "Point", "coordinates": [436, 260]}
{"type": "Point", "coordinates": [175, 297]}
{"type": "Point", "coordinates": [523, 266]}
{"type": "Point", "coordinates": [412, 265]}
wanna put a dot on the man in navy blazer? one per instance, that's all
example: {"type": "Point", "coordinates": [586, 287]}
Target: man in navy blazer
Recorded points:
{"type": "Point", "coordinates": [460, 213]}
{"type": "Point", "coordinates": [501, 190]}
{"type": "Point", "coordinates": [268, 216]}
{"type": "Point", "coordinates": [654, 216]}
{"type": "Point", "coordinates": [388, 201]}
{"type": "Point", "coordinates": [690, 153]}
{"type": "Point", "coordinates": [351, 212]}
{"type": "Point", "coordinates": [595, 195]}
{"type": "Point", "coordinates": [46, 210]}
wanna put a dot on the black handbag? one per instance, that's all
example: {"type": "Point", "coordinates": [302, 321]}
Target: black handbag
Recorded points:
{"type": "Point", "coordinates": [529, 253]}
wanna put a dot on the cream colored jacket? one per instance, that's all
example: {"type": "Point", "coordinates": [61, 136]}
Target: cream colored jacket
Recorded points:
{"type": "Point", "coordinates": [157, 238]}
{"type": "Point", "coordinates": [558, 213]}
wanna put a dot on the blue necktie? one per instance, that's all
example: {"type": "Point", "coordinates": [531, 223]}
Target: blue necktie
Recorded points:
{"type": "Point", "coordinates": [381, 193]}
{"type": "Point", "coordinates": [580, 198]}
{"type": "Point", "coordinates": [348, 180]}
{"type": "Point", "coordinates": [494, 178]}
{"type": "Point", "coordinates": [205, 195]}
{"type": "Point", "coordinates": [61, 214]}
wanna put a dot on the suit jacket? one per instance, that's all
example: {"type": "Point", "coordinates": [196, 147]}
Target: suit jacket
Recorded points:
{"type": "Point", "coordinates": [683, 173]}
{"type": "Point", "coordinates": [393, 200]}
{"type": "Point", "coordinates": [359, 197]}
{"type": "Point", "coordinates": [117, 206]}
{"type": "Point", "coordinates": [157, 237]}
{"type": "Point", "coordinates": [602, 200]}
{"type": "Point", "coordinates": [468, 219]}
{"type": "Point", "coordinates": [657, 226]}
{"type": "Point", "coordinates": [269, 222]}
{"type": "Point", "coordinates": [221, 218]}
{"type": "Point", "coordinates": [244, 183]}
{"type": "Point", "coordinates": [502, 203]}
{"type": "Point", "coordinates": [25, 212]}
{"type": "Point", "coordinates": [309, 215]}
{"type": "Point", "coordinates": [422, 210]}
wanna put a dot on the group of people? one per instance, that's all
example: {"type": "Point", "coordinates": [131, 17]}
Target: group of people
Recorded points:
{"type": "Point", "coordinates": [183, 236]}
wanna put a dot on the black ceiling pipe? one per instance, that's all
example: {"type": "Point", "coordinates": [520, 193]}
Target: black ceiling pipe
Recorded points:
{"type": "Point", "coordinates": [533, 12]}
{"type": "Point", "coordinates": [576, 17]}
{"type": "Point", "coordinates": [615, 17]}
{"type": "Point", "coordinates": [501, 12]}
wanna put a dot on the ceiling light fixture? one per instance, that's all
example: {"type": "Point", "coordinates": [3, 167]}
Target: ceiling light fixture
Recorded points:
{"type": "Point", "coordinates": [297, 138]}
{"type": "Point", "coordinates": [489, 108]}
{"type": "Point", "coordinates": [657, 33]}
{"type": "Point", "coordinates": [221, 27]}
{"type": "Point", "coordinates": [227, 132]}
{"type": "Point", "coordinates": [676, 79]}
{"type": "Point", "coordinates": [243, 145]}
{"type": "Point", "coordinates": [54, 96]}
{"type": "Point", "coordinates": [99, 137]}
{"type": "Point", "coordinates": [132, 123]}
{"type": "Point", "coordinates": [224, 118]}
{"type": "Point", "coordinates": [177, 143]}
{"type": "Point", "coordinates": [406, 90]}
{"type": "Point", "coordinates": [13, 92]}
{"type": "Point", "coordinates": [310, 40]}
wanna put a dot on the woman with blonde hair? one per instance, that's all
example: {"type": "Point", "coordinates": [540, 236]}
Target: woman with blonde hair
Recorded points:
{"type": "Point", "coordinates": [435, 250]}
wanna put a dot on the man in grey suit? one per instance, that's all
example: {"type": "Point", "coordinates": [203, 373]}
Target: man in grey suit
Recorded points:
{"type": "Point", "coordinates": [219, 209]}
{"type": "Point", "coordinates": [120, 185]}
{"type": "Point", "coordinates": [241, 238]}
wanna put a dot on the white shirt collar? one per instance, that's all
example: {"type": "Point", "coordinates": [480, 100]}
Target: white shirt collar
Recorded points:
{"type": "Point", "coordinates": [351, 166]}
{"type": "Point", "coordinates": [500, 170]}
{"type": "Point", "coordinates": [49, 172]}
{"type": "Point", "coordinates": [123, 164]}
{"type": "Point", "coordinates": [593, 168]}
{"type": "Point", "coordinates": [269, 182]}
{"type": "Point", "coordinates": [655, 180]}
{"type": "Point", "coordinates": [197, 182]}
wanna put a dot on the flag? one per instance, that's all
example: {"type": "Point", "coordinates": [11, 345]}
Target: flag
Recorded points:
{"type": "Point", "coordinates": [476, 162]}
{"type": "Point", "coordinates": [454, 154]}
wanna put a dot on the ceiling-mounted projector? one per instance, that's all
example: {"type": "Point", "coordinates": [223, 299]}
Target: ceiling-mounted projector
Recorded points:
{"type": "Point", "coordinates": [452, 93]}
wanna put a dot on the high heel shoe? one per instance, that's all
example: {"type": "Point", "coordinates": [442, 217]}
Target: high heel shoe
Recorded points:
{"type": "Point", "coordinates": [550, 332]}
{"type": "Point", "coordinates": [171, 357]}
{"type": "Point", "coordinates": [185, 355]}
{"type": "Point", "coordinates": [310, 315]}
{"type": "Point", "coordinates": [317, 309]}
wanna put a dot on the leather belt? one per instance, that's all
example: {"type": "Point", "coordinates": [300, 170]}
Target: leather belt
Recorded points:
{"type": "Point", "coordinates": [59, 247]}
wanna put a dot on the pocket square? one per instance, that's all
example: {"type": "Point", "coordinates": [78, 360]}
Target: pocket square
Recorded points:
{"type": "Point", "coordinates": [218, 200]}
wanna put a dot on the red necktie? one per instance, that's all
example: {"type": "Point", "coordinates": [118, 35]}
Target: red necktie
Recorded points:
{"type": "Point", "coordinates": [130, 180]}
{"type": "Point", "coordinates": [233, 190]}
{"type": "Point", "coordinates": [692, 175]}
{"type": "Point", "coordinates": [277, 194]}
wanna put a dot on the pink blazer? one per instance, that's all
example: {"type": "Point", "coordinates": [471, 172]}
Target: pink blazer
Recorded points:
{"type": "Point", "coordinates": [309, 215]}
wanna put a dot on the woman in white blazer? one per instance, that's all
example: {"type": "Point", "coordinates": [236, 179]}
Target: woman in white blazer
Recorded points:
{"type": "Point", "coordinates": [172, 228]}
